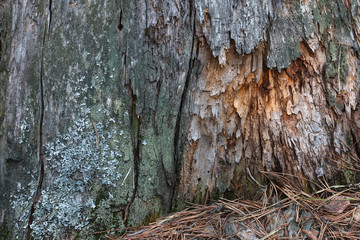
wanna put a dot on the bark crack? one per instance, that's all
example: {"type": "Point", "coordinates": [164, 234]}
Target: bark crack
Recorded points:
{"type": "Point", "coordinates": [40, 140]}
{"type": "Point", "coordinates": [135, 132]}
{"type": "Point", "coordinates": [181, 108]}
{"type": "Point", "coordinates": [120, 26]}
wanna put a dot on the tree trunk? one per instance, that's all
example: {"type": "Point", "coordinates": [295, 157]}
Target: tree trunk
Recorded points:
{"type": "Point", "coordinates": [116, 112]}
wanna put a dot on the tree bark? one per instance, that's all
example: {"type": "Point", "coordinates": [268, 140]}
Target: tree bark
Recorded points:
{"type": "Point", "coordinates": [116, 112]}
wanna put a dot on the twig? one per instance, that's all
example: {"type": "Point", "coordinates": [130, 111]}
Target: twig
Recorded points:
{"type": "Point", "coordinates": [126, 177]}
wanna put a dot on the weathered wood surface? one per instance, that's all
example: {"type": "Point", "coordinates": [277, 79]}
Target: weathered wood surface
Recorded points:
{"type": "Point", "coordinates": [282, 95]}
{"type": "Point", "coordinates": [115, 112]}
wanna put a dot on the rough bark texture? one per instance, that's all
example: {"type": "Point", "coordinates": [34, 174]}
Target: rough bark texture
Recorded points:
{"type": "Point", "coordinates": [115, 112]}
{"type": "Point", "coordinates": [282, 95]}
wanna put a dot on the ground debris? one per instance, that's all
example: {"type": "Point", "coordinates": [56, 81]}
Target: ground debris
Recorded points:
{"type": "Point", "coordinates": [289, 214]}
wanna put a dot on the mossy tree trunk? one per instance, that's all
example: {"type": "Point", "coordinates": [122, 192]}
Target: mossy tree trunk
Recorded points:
{"type": "Point", "coordinates": [115, 112]}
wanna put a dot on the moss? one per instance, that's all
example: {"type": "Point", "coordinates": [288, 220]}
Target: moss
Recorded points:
{"type": "Point", "coordinates": [100, 195]}
{"type": "Point", "coordinates": [3, 75]}
{"type": "Point", "coordinates": [142, 212]}
{"type": "Point", "coordinates": [6, 22]}
{"type": "Point", "coordinates": [242, 185]}
{"type": "Point", "coordinates": [200, 193]}
{"type": "Point", "coordinates": [328, 13]}
{"type": "Point", "coordinates": [331, 17]}
{"type": "Point", "coordinates": [336, 67]}
{"type": "Point", "coordinates": [151, 217]}
{"type": "Point", "coordinates": [104, 217]}
{"type": "Point", "coordinates": [230, 194]}
{"type": "Point", "coordinates": [5, 232]}
{"type": "Point", "coordinates": [351, 177]}
{"type": "Point", "coordinates": [6, 19]}
{"type": "Point", "coordinates": [216, 194]}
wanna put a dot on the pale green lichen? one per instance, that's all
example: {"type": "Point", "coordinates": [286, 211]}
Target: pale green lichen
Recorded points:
{"type": "Point", "coordinates": [88, 152]}
{"type": "Point", "coordinates": [74, 167]}
{"type": "Point", "coordinates": [20, 203]}
{"type": "Point", "coordinates": [87, 159]}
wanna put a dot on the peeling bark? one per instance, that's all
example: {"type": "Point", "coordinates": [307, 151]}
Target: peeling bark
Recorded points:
{"type": "Point", "coordinates": [263, 120]}
{"type": "Point", "coordinates": [247, 117]}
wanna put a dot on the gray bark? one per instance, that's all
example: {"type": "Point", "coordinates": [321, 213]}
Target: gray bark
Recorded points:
{"type": "Point", "coordinates": [116, 112]}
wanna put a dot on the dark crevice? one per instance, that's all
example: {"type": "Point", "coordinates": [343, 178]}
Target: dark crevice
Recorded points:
{"type": "Point", "coordinates": [120, 26]}
{"type": "Point", "coordinates": [146, 12]}
{"type": "Point", "coordinates": [40, 146]}
{"type": "Point", "coordinates": [135, 136]}
{"type": "Point", "coordinates": [177, 150]}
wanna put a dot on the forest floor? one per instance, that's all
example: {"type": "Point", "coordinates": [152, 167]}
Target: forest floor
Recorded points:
{"type": "Point", "coordinates": [286, 212]}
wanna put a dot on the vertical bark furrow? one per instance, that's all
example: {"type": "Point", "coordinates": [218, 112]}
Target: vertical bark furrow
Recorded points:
{"type": "Point", "coordinates": [135, 133]}
{"type": "Point", "coordinates": [178, 129]}
{"type": "Point", "coordinates": [20, 140]}
{"type": "Point", "coordinates": [164, 42]}
{"type": "Point", "coordinates": [40, 141]}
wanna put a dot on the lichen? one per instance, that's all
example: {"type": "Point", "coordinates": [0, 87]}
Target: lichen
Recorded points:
{"type": "Point", "coordinates": [89, 151]}
{"type": "Point", "coordinates": [74, 164]}
{"type": "Point", "coordinates": [87, 141]}
{"type": "Point", "coordinates": [20, 203]}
